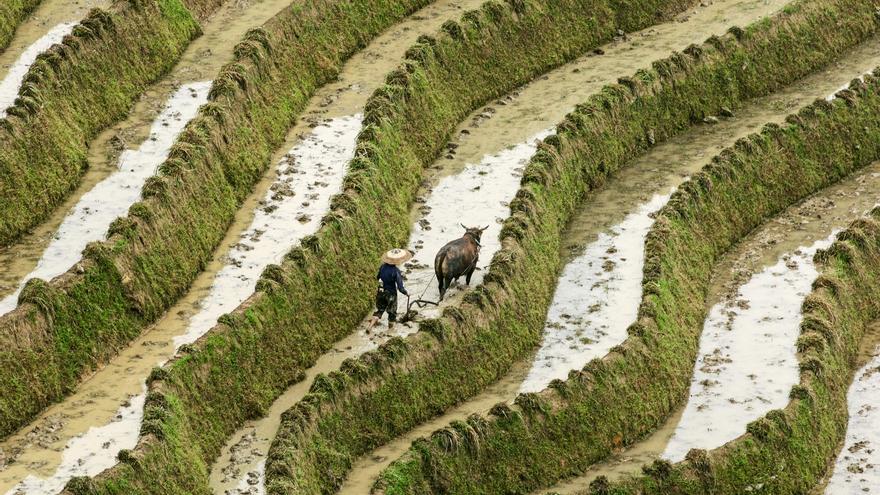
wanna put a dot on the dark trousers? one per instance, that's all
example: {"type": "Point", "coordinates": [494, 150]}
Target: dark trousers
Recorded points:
{"type": "Point", "coordinates": [386, 302]}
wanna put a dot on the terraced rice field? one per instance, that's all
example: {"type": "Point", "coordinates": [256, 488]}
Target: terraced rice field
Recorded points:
{"type": "Point", "coordinates": [675, 289]}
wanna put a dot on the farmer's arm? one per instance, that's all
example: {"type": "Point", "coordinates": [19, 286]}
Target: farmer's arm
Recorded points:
{"type": "Point", "coordinates": [400, 286]}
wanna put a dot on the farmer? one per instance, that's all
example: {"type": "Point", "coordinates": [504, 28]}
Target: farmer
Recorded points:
{"type": "Point", "coordinates": [390, 282]}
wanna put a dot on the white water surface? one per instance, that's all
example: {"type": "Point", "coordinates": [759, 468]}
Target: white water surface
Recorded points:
{"type": "Point", "coordinates": [481, 192]}
{"type": "Point", "coordinates": [857, 469]}
{"type": "Point", "coordinates": [596, 299]}
{"type": "Point", "coordinates": [748, 355]}
{"type": "Point", "coordinates": [91, 452]}
{"type": "Point", "coordinates": [308, 176]}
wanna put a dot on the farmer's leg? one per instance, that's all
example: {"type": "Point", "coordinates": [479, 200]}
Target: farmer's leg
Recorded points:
{"type": "Point", "coordinates": [392, 310]}
{"type": "Point", "coordinates": [381, 306]}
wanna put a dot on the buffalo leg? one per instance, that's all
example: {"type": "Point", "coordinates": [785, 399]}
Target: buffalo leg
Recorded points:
{"type": "Point", "coordinates": [447, 282]}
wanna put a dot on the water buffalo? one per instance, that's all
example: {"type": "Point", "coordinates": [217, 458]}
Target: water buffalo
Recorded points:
{"type": "Point", "coordinates": [458, 258]}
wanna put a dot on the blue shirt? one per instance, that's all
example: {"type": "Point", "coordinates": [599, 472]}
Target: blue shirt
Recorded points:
{"type": "Point", "coordinates": [392, 279]}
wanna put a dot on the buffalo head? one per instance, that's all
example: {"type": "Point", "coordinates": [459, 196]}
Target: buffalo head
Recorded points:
{"type": "Point", "coordinates": [474, 232]}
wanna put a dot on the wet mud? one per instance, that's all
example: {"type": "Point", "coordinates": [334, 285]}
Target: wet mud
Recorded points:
{"type": "Point", "coordinates": [38, 449]}
{"type": "Point", "coordinates": [756, 296]}
{"type": "Point", "coordinates": [288, 204]}
{"type": "Point", "coordinates": [15, 71]}
{"type": "Point", "coordinates": [857, 467]}
{"type": "Point", "coordinates": [623, 463]}
{"type": "Point", "coordinates": [91, 452]}
{"type": "Point", "coordinates": [596, 299]}
{"type": "Point", "coordinates": [306, 178]}
{"type": "Point", "coordinates": [805, 224]}
{"type": "Point", "coordinates": [599, 290]}
{"type": "Point", "coordinates": [367, 468]}
{"type": "Point", "coordinates": [531, 110]}
{"type": "Point", "coordinates": [747, 360]}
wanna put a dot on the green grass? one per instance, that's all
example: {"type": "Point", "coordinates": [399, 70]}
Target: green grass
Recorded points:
{"type": "Point", "coordinates": [575, 423]}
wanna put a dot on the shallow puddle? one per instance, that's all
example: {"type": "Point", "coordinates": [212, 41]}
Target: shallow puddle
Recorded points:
{"type": "Point", "coordinates": [32, 33]}
{"type": "Point", "coordinates": [527, 111]}
{"type": "Point", "coordinates": [804, 224]}
{"type": "Point", "coordinates": [598, 293]}
{"type": "Point", "coordinates": [90, 218]}
{"type": "Point", "coordinates": [857, 468]}
{"type": "Point", "coordinates": [481, 193]}
{"type": "Point", "coordinates": [287, 204]}
{"type": "Point", "coordinates": [16, 71]}
{"type": "Point", "coordinates": [747, 361]}
{"type": "Point", "coordinates": [484, 188]}
{"type": "Point", "coordinates": [596, 299]}
{"type": "Point", "coordinates": [621, 464]}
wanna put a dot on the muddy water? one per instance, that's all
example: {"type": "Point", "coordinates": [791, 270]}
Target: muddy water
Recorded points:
{"type": "Point", "coordinates": [747, 360]}
{"type": "Point", "coordinates": [201, 61]}
{"type": "Point", "coordinates": [624, 463]}
{"type": "Point", "coordinates": [90, 218]}
{"type": "Point", "coordinates": [598, 293]}
{"type": "Point", "coordinates": [857, 469]}
{"type": "Point", "coordinates": [367, 468]}
{"type": "Point", "coordinates": [483, 190]}
{"type": "Point", "coordinates": [805, 224]}
{"type": "Point", "coordinates": [81, 457]}
{"type": "Point", "coordinates": [519, 118]}
{"type": "Point", "coordinates": [596, 299]}
{"type": "Point", "coordinates": [482, 187]}
{"type": "Point", "coordinates": [306, 179]}
{"type": "Point", "coordinates": [86, 222]}
{"type": "Point", "coordinates": [734, 380]}
{"type": "Point", "coordinates": [756, 297]}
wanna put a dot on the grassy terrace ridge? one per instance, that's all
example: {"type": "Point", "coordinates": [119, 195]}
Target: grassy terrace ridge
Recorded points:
{"type": "Point", "coordinates": [76, 89]}
{"type": "Point", "coordinates": [320, 293]}
{"type": "Point", "coordinates": [789, 450]}
{"type": "Point", "coordinates": [12, 12]}
{"type": "Point", "coordinates": [65, 328]}
{"type": "Point", "coordinates": [561, 431]}
{"type": "Point", "coordinates": [72, 90]}
{"type": "Point", "coordinates": [386, 392]}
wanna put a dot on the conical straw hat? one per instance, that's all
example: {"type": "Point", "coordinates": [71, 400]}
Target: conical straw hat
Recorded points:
{"type": "Point", "coordinates": [396, 256]}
